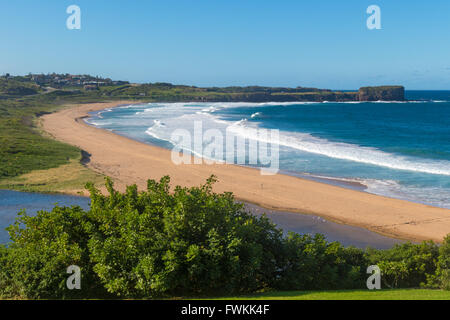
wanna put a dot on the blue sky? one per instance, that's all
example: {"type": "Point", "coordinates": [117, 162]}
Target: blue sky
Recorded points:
{"type": "Point", "coordinates": [234, 42]}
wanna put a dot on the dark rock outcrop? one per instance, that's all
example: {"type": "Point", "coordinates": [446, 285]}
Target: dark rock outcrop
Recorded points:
{"type": "Point", "coordinates": [384, 93]}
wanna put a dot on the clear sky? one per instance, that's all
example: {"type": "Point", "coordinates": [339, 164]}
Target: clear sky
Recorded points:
{"type": "Point", "coordinates": [322, 43]}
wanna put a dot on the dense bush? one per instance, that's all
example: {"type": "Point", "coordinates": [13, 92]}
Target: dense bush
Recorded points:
{"type": "Point", "coordinates": [143, 244]}
{"type": "Point", "coordinates": [406, 265]}
{"type": "Point", "coordinates": [189, 242]}
{"type": "Point", "coordinates": [442, 277]}
{"type": "Point", "coordinates": [43, 247]}
{"type": "Point", "coordinates": [313, 263]}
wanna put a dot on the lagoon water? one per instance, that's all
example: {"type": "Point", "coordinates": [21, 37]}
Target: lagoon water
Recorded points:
{"type": "Point", "coordinates": [395, 149]}
{"type": "Point", "coordinates": [11, 202]}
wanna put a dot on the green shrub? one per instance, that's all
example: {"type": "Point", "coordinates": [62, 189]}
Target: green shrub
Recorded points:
{"type": "Point", "coordinates": [193, 241]}
{"type": "Point", "coordinates": [189, 242]}
{"type": "Point", "coordinates": [143, 244]}
{"type": "Point", "coordinates": [442, 277]}
{"type": "Point", "coordinates": [313, 263]}
{"type": "Point", "coordinates": [406, 265]}
{"type": "Point", "coordinates": [42, 248]}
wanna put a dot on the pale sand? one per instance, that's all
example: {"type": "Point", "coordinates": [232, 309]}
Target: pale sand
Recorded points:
{"type": "Point", "coordinates": [128, 161]}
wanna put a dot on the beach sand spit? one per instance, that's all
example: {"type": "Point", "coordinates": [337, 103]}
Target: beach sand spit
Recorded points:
{"type": "Point", "coordinates": [128, 161]}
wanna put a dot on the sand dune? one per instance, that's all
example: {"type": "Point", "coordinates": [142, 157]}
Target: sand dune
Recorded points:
{"type": "Point", "coordinates": [128, 161]}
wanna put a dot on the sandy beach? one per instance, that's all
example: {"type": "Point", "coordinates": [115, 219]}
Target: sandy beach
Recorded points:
{"type": "Point", "coordinates": [128, 161]}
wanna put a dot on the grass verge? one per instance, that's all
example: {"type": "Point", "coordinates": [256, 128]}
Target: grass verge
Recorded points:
{"type": "Point", "coordinates": [69, 178]}
{"type": "Point", "coordinates": [387, 294]}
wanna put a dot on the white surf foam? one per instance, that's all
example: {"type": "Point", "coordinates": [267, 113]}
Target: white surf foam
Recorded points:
{"type": "Point", "coordinates": [428, 195]}
{"type": "Point", "coordinates": [174, 114]}
{"type": "Point", "coordinates": [434, 196]}
{"type": "Point", "coordinates": [339, 150]}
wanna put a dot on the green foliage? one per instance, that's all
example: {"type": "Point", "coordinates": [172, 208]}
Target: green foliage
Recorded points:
{"type": "Point", "coordinates": [313, 263]}
{"type": "Point", "coordinates": [442, 277]}
{"type": "Point", "coordinates": [143, 244]}
{"type": "Point", "coordinates": [406, 265]}
{"type": "Point", "coordinates": [173, 93]}
{"type": "Point", "coordinates": [42, 248]}
{"type": "Point", "coordinates": [9, 87]}
{"type": "Point", "coordinates": [193, 241]}
{"type": "Point", "coordinates": [189, 242]}
{"type": "Point", "coordinates": [22, 148]}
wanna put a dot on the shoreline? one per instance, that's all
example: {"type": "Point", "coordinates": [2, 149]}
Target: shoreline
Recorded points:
{"type": "Point", "coordinates": [128, 161]}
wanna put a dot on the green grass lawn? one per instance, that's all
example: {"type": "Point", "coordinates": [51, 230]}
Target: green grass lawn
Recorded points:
{"type": "Point", "coordinates": [395, 294]}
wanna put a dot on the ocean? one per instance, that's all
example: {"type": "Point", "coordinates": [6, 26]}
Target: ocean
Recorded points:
{"type": "Point", "coordinates": [394, 149]}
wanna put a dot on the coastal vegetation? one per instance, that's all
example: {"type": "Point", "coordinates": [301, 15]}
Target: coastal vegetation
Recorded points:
{"type": "Point", "coordinates": [166, 92]}
{"type": "Point", "coordinates": [24, 98]}
{"type": "Point", "coordinates": [68, 178]}
{"type": "Point", "coordinates": [15, 88]}
{"type": "Point", "coordinates": [192, 242]}
{"type": "Point", "coordinates": [85, 86]}
{"type": "Point", "coordinates": [23, 148]}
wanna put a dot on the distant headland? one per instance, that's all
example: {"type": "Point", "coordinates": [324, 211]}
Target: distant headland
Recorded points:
{"type": "Point", "coordinates": [383, 93]}
{"type": "Point", "coordinates": [97, 87]}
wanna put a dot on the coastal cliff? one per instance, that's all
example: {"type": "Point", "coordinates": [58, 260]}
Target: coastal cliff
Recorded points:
{"type": "Point", "coordinates": [63, 85]}
{"type": "Point", "coordinates": [383, 93]}
{"type": "Point", "coordinates": [166, 92]}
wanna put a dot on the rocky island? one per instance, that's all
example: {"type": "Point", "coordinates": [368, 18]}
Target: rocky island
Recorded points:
{"type": "Point", "coordinates": [383, 93]}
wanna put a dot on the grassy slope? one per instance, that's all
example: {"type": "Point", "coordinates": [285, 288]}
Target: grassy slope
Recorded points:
{"type": "Point", "coordinates": [23, 149]}
{"type": "Point", "coordinates": [13, 88]}
{"type": "Point", "coordinates": [67, 178]}
{"type": "Point", "coordinates": [25, 152]}
{"type": "Point", "coordinates": [396, 294]}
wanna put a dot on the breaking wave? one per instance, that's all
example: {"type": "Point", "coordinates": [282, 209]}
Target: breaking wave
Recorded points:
{"type": "Point", "coordinates": [345, 151]}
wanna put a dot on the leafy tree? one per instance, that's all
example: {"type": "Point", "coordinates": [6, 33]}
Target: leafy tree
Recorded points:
{"type": "Point", "coordinates": [189, 242]}
{"type": "Point", "coordinates": [43, 247]}
{"type": "Point", "coordinates": [313, 263]}
{"type": "Point", "coordinates": [406, 265]}
{"type": "Point", "coordinates": [442, 277]}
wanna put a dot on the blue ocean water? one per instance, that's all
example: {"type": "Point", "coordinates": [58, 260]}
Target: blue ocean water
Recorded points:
{"type": "Point", "coordinates": [395, 149]}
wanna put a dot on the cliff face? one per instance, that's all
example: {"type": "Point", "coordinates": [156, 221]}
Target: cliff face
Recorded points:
{"type": "Point", "coordinates": [384, 93]}
{"type": "Point", "coordinates": [163, 92]}
{"type": "Point", "coordinates": [282, 97]}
